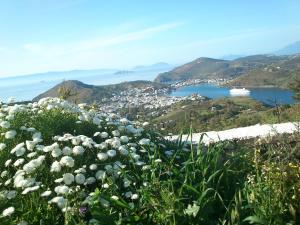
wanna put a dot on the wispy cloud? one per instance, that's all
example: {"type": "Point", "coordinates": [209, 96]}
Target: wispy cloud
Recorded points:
{"type": "Point", "coordinates": [127, 37]}
{"type": "Point", "coordinates": [100, 42]}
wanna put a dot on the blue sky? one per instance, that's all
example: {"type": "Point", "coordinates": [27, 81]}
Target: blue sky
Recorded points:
{"type": "Point", "coordinates": [52, 35]}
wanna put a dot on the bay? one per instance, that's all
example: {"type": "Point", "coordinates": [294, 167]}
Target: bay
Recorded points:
{"type": "Point", "coordinates": [269, 96]}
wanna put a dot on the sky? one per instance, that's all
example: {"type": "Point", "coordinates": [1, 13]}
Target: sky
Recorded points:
{"type": "Point", "coordinates": [58, 35]}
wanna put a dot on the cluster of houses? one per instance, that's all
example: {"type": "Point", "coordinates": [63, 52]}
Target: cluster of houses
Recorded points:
{"type": "Point", "coordinates": [191, 82]}
{"type": "Point", "coordinates": [149, 100]}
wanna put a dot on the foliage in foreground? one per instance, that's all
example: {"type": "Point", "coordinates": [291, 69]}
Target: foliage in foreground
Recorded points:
{"type": "Point", "coordinates": [67, 164]}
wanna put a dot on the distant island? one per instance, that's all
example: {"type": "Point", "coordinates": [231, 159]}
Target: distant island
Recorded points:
{"type": "Point", "coordinates": [123, 72]}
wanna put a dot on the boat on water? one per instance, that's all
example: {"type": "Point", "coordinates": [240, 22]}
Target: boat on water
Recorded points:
{"type": "Point", "coordinates": [239, 92]}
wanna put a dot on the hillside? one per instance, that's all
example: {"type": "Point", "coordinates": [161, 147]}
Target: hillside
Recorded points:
{"type": "Point", "coordinates": [199, 68]}
{"type": "Point", "coordinates": [255, 70]}
{"type": "Point", "coordinates": [81, 92]}
{"type": "Point", "coordinates": [278, 73]}
{"type": "Point", "coordinates": [224, 113]}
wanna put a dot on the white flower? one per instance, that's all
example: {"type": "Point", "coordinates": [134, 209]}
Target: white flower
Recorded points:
{"type": "Point", "coordinates": [7, 162]}
{"type": "Point", "coordinates": [144, 141]}
{"type": "Point", "coordinates": [30, 189]}
{"type": "Point", "coordinates": [115, 133]}
{"type": "Point", "coordinates": [158, 160]}
{"type": "Point", "coordinates": [106, 185]}
{"type": "Point", "coordinates": [67, 150]}
{"type": "Point", "coordinates": [116, 143]}
{"type": "Point", "coordinates": [80, 170]}
{"type": "Point", "coordinates": [100, 175]}
{"type": "Point", "coordinates": [31, 154]}
{"type": "Point", "coordinates": [59, 180]}
{"type": "Point", "coordinates": [90, 180]}
{"type": "Point", "coordinates": [108, 168]}
{"type": "Point", "coordinates": [124, 139]}
{"type": "Point", "coordinates": [75, 141]}
{"type": "Point", "coordinates": [104, 135]}
{"type": "Point", "coordinates": [3, 174]}
{"type": "Point", "coordinates": [7, 182]}
{"type": "Point", "coordinates": [114, 197]}
{"type": "Point", "coordinates": [37, 137]}
{"type": "Point", "coordinates": [124, 121]}
{"type": "Point", "coordinates": [19, 162]}
{"type": "Point", "coordinates": [134, 196]}
{"type": "Point", "coordinates": [46, 193]}
{"type": "Point", "coordinates": [18, 146]}
{"type": "Point", "coordinates": [11, 194]}
{"type": "Point", "coordinates": [68, 178]}
{"type": "Point", "coordinates": [111, 153]}
{"type": "Point", "coordinates": [80, 178]}
{"type": "Point", "coordinates": [31, 129]}
{"type": "Point", "coordinates": [56, 152]}
{"type": "Point", "coordinates": [30, 145]}
{"type": "Point", "coordinates": [96, 121]}
{"type": "Point", "coordinates": [136, 156]}
{"type": "Point", "coordinates": [2, 146]}
{"type": "Point", "coordinates": [55, 167]}
{"type": "Point", "coordinates": [10, 134]}
{"type": "Point", "coordinates": [126, 182]}
{"type": "Point", "coordinates": [145, 124]}
{"type": "Point", "coordinates": [102, 156]}
{"type": "Point", "coordinates": [60, 201]}
{"type": "Point", "coordinates": [8, 211]}
{"type": "Point", "coordinates": [97, 134]}
{"type": "Point", "coordinates": [20, 151]}
{"type": "Point", "coordinates": [33, 164]}
{"type": "Point", "coordinates": [93, 167]}
{"type": "Point", "coordinates": [67, 161]}
{"type": "Point", "coordinates": [123, 150]}
{"type": "Point", "coordinates": [62, 189]}
{"type": "Point", "coordinates": [5, 124]}
{"type": "Point", "coordinates": [78, 150]}
{"type": "Point", "coordinates": [128, 194]}
{"type": "Point", "coordinates": [139, 163]}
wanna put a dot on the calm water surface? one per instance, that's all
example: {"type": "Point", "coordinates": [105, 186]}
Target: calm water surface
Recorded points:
{"type": "Point", "coordinates": [270, 96]}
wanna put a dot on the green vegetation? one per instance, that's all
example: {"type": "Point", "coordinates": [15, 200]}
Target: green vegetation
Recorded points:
{"type": "Point", "coordinates": [145, 180]}
{"type": "Point", "coordinates": [222, 114]}
{"type": "Point", "coordinates": [295, 86]}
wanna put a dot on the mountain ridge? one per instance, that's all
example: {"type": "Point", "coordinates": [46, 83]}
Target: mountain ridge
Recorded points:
{"type": "Point", "coordinates": [253, 70]}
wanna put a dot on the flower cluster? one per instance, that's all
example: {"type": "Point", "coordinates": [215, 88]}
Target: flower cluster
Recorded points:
{"type": "Point", "coordinates": [65, 171]}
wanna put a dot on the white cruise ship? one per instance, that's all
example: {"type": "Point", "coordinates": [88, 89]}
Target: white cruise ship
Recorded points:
{"type": "Point", "coordinates": [239, 92]}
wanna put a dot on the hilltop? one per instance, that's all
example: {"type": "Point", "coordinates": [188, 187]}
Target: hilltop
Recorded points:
{"type": "Point", "coordinates": [81, 92]}
{"type": "Point", "coordinates": [255, 70]}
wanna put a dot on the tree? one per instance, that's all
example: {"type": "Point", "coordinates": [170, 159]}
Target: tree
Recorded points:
{"type": "Point", "coordinates": [65, 93]}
